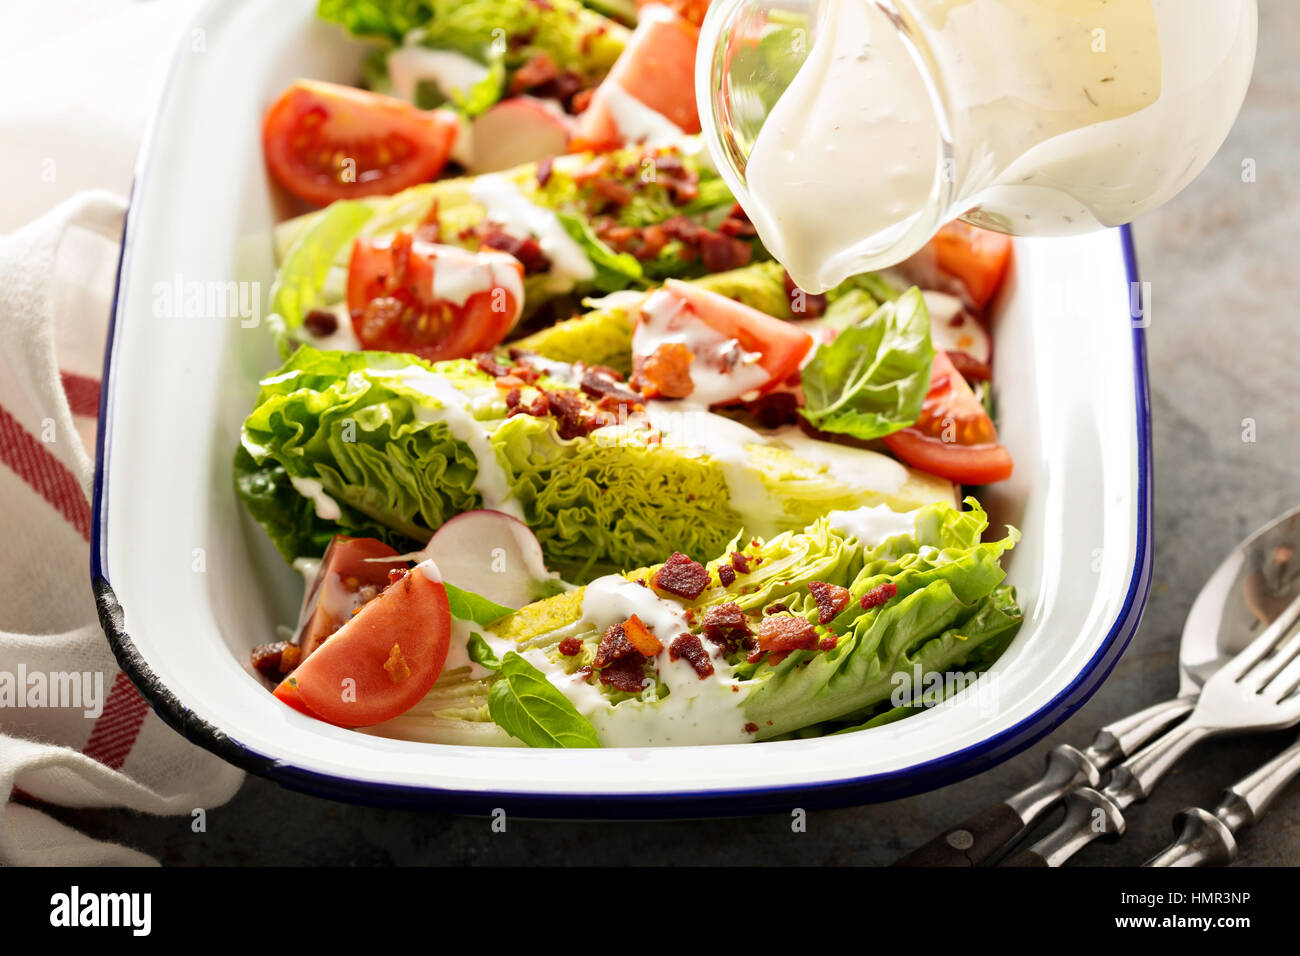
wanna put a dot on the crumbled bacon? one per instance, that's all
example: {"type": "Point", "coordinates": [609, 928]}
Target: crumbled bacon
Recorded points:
{"type": "Point", "coordinates": [721, 253]}
{"type": "Point", "coordinates": [396, 666]}
{"type": "Point", "coordinates": [487, 362]}
{"type": "Point", "coordinates": [321, 323]}
{"type": "Point", "coordinates": [803, 305]}
{"type": "Point", "coordinates": [665, 372]}
{"type": "Point", "coordinates": [785, 633]}
{"type": "Point", "coordinates": [538, 406]}
{"type": "Point", "coordinates": [545, 166]}
{"type": "Point", "coordinates": [614, 646]}
{"type": "Point", "coordinates": [740, 561]}
{"type": "Point", "coordinates": [831, 600]}
{"type": "Point", "coordinates": [776, 409]}
{"type": "Point", "coordinates": [726, 625]}
{"type": "Point", "coordinates": [688, 646]}
{"type": "Point", "coordinates": [600, 384]}
{"type": "Point", "coordinates": [828, 643]}
{"type": "Point", "coordinates": [612, 191]}
{"type": "Point", "coordinates": [971, 368]}
{"type": "Point", "coordinates": [880, 594]}
{"type": "Point", "coordinates": [570, 647]}
{"type": "Point", "coordinates": [639, 636]}
{"type": "Point", "coordinates": [571, 415]}
{"type": "Point", "coordinates": [626, 674]}
{"type": "Point", "coordinates": [527, 249]}
{"type": "Point", "coordinates": [536, 71]}
{"type": "Point", "coordinates": [273, 661]}
{"type": "Point", "coordinates": [726, 575]}
{"type": "Point", "coordinates": [751, 728]}
{"type": "Point", "coordinates": [681, 576]}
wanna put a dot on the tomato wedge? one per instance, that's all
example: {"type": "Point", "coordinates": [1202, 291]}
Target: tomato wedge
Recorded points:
{"type": "Point", "coordinates": [349, 577]}
{"type": "Point", "coordinates": [380, 663]}
{"type": "Point", "coordinates": [781, 344]}
{"type": "Point", "coordinates": [954, 437]}
{"type": "Point", "coordinates": [435, 301]}
{"type": "Point", "coordinates": [976, 256]}
{"type": "Point", "coordinates": [324, 142]}
{"type": "Point", "coordinates": [657, 68]}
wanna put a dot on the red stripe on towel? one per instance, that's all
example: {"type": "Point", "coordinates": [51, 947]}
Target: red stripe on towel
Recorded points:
{"type": "Point", "coordinates": [83, 393]}
{"type": "Point", "coordinates": [117, 728]}
{"type": "Point", "coordinates": [35, 464]}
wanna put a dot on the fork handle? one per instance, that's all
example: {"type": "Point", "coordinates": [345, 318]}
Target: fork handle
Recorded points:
{"type": "Point", "coordinates": [1095, 813]}
{"type": "Point", "coordinates": [979, 838]}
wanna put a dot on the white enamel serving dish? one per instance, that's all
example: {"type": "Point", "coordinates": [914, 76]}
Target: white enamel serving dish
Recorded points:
{"type": "Point", "coordinates": [187, 584]}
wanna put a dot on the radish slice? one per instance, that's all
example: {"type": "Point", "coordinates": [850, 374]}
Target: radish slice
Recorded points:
{"type": "Point", "coordinates": [517, 131]}
{"type": "Point", "coordinates": [492, 554]}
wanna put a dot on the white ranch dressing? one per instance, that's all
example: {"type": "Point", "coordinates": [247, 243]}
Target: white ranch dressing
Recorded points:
{"type": "Point", "coordinates": [459, 274]}
{"type": "Point", "coordinates": [490, 479]}
{"type": "Point", "coordinates": [954, 329]}
{"type": "Point", "coordinates": [636, 122]}
{"type": "Point", "coordinates": [696, 710]}
{"type": "Point", "coordinates": [1064, 116]}
{"type": "Point", "coordinates": [327, 509]}
{"type": "Point", "coordinates": [505, 204]}
{"type": "Point", "coordinates": [450, 71]}
{"type": "Point", "coordinates": [872, 526]}
{"type": "Point", "coordinates": [720, 369]}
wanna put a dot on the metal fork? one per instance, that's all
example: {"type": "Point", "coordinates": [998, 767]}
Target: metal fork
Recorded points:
{"type": "Point", "coordinates": [1257, 690]}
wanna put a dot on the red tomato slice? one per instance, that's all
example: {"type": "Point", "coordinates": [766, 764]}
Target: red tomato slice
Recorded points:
{"type": "Point", "coordinates": [657, 67]}
{"type": "Point", "coordinates": [325, 142]}
{"type": "Point", "coordinates": [346, 580]}
{"type": "Point", "coordinates": [977, 257]}
{"type": "Point", "coordinates": [381, 662]}
{"type": "Point", "coordinates": [954, 437]}
{"type": "Point", "coordinates": [435, 301]}
{"type": "Point", "coordinates": [782, 344]}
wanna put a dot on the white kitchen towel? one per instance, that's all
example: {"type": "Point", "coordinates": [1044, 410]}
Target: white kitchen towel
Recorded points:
{"type": "Point", "coordinates": [74, 732]}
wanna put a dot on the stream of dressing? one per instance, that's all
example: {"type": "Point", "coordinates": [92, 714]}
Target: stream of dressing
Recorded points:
{"type": "Point", "coordinates": [846, 163]}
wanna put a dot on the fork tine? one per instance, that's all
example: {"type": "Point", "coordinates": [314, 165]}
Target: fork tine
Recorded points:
{"type": "Point", "coordinates": [1284, 684]}
{"type": "Point", "coordinates": [1258, 649]}
{"type": "Point", "coordinates": [1267, 670]}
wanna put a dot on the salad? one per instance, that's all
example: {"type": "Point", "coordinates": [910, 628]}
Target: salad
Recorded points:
{"type": "Point", "coordinates": [564, 457]}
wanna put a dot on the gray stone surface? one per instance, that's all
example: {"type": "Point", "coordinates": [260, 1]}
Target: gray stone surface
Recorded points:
{"type": "Point", "coordinates": [1223, 343]}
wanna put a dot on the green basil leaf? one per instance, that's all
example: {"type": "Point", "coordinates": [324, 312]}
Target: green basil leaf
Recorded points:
{"type": "Point", "coordinates": [468, 606]}
{"type": "Point", "coordinates": [480, 653]}
{"type": "Point", "coordinates": [532, 709]}
{"type": "Point", "coordinates": [872, 379]}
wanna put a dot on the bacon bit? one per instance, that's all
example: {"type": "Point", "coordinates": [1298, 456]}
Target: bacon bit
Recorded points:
{"type": "Point", "coordinates": [682, 576]}
{"type": "Point", "coordinates": [971, 368]}
{"type": "Point", "coordinates": [539, 69]}
{"type": "Point", "coordinates": [640, 637]}
{"type": "Point", "coordinates": [626, 674]}
{"type": "Point", "coordinates": [538, 406]}
{"type": "Point", "coordinates": [751, 728]}
{"type": "Point", "coordinates": [321, 323]}
{"type": "Point", "coordinates": [777, 608]}
{"type": "Point", "coordinates": [689, 647]}
{"type": "Point", "coordinates": [776, 409]}
{"type": "Point", "coordinates": [581, 100]}
{"type": "Point", "coordinates": [828, 643]}
{"type": "Point", "coordinates": [590, 171]}
{"type": "Point", "coordinates": [599, 384]}
{"type": "Point", "coordinates": [488, 363]}
{"type": "Point", "coordinates": [803, 305]}
{"type": "Point", "coordinates": [830, 598]}
{"type": "Point", "coordinates": [726, 575]}
{"type": "Point", "coordinates": [726, 626]}
{"type": "Point", "coordinates": [653, 240]}
{"type": "Point", "coordinates": [273, 661]}
{"type": "Point", "coordinates": [786, 633]}
{"type": "Point", "coordinates": [545, 167]}
{"type": "Point", "coordinates": [665, 372]}
{"type": "Point", "coordinates": [614, 646]}
{"type": "Point", "coordinates": [612, 191]}
{"type": "Point", "coordinates": [584, 672]}
{"type": "Point", "coordinates": [429, 228]}
{"type": "Point", "coordinates": [527, 249]}
{"type": "Point", "coordinates": [879, 595]}
{"type": "Point", "coordinates": [396, 665]}
{"type": "Point", "coordinates": [721, 253]}
{"type": "Point", "coordinates": [571, 414]}
{"type": "Point", "coordinates": [570, 647]}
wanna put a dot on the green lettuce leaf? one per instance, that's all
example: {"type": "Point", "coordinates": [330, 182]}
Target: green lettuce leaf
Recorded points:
{"type": "Point", "coordinates": [614, 270]}
{"type": "Point", "coordinates": [529, 707]}
{"type": "Point", "coordinates": [872, 379]}
{"type": "Point", "coordinates": [302, 275]}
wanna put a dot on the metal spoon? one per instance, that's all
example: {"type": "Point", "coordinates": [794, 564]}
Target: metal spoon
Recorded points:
{"type": "Point", "coordinates": [1252, 585]}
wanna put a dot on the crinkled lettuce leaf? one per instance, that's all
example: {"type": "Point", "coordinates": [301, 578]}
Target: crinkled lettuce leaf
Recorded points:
{"type": "Point", "coordinates": [622, 497]}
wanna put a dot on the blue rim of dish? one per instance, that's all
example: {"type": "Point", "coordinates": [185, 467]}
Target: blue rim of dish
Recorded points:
{"type": "Point", "coordinates": [711, 803]}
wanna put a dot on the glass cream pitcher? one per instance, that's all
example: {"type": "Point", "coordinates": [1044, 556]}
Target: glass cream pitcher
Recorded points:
{"type": "Point", "coordinates": [851, 130]}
